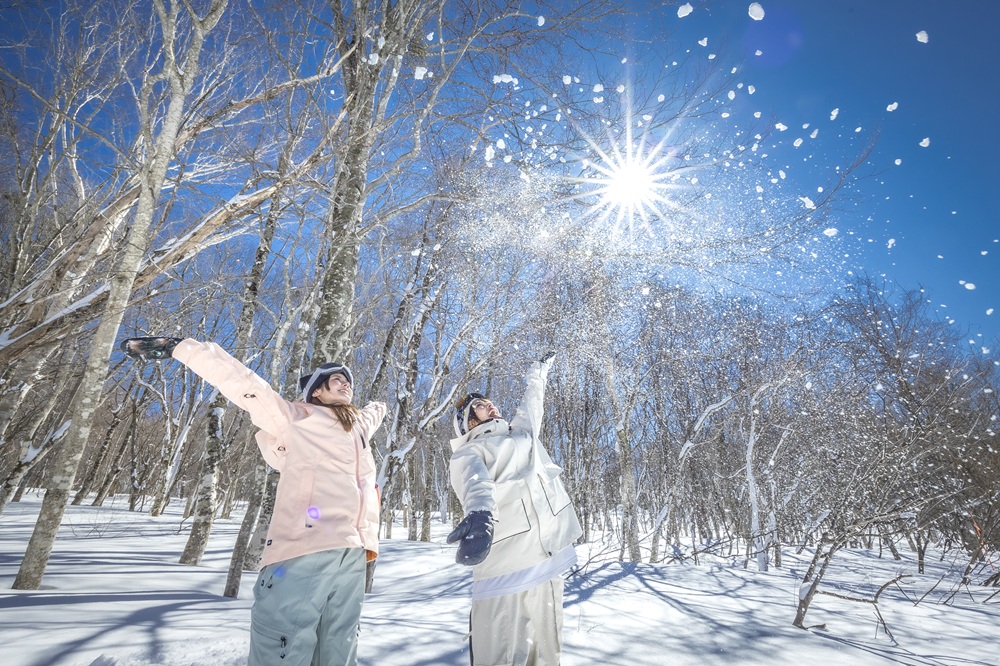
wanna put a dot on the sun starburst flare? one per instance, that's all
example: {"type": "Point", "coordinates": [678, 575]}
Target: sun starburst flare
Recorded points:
{"type": "Point", "coordinates": [628, 185]}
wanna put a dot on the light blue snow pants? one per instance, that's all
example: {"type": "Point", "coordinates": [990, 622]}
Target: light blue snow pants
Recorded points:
{"type": "Point", "coordinates": [306, 610]}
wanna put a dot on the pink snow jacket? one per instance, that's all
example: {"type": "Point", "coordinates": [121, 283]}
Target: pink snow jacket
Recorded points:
{"type": "Point", "coordinates": [327, 496]}
{"type": "Point", "coordinates": [503, 468]}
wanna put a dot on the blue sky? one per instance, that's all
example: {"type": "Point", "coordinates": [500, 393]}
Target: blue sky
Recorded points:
{"type": "Point", "coordinates": [932, 220]}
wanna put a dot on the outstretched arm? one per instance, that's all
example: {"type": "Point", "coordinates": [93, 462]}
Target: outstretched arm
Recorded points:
{"type": "Point", "coordinates": [531, 410]}
{"type": "Point", "coordinates": [244, 388]}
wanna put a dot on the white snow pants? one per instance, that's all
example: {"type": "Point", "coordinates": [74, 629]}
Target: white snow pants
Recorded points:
{"type": "Point", "coordinates": [522, 629]}
{"type": "Point", "coordinates": [307, 610]}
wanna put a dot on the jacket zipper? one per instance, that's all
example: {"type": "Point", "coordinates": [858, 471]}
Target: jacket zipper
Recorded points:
{"type": "Point", "coordinates": [357, 481]}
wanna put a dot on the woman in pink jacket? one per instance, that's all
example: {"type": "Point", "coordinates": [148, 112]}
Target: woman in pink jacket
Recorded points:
{"type": "Point", "coordinates": [308, 596]}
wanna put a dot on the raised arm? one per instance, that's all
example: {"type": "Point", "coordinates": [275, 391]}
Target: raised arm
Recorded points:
{"type": "Point", "coordinates": [530, 412]}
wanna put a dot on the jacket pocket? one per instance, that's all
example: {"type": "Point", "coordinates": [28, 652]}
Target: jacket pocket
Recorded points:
{"type": "Point", "coordinates": [555, 493]}
{"type": "Point", "coordinates": [512, 520]}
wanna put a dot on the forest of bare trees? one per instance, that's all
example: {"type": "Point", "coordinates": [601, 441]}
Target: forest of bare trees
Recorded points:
{"type": "Point", "coordinates": [387, 183]}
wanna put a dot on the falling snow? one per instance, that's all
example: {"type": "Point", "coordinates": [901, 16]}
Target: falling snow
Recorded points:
{"type": "Point", "coordinates": [922, 36]}
{"type": "Point", "coordinates": [756, 11]}
{"type": "Point", "coordinates": [684, 10]}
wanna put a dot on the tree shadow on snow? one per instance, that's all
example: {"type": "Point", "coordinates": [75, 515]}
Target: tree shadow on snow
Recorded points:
{"type": "Point", "coordinates": [155, 614]}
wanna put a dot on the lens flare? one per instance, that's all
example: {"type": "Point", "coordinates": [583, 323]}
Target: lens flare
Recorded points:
{"type": "Point", "coordinates": [627, 184]}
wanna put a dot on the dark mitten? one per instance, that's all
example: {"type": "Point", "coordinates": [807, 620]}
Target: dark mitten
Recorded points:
{"type": "Point", "coordinates": [475, 534]}
{"type": "Point", "coordinates": [149, 347]}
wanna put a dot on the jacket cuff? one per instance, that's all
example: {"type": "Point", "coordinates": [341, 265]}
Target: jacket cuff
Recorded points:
{"type": "Point", "coordinates": [185, 349]}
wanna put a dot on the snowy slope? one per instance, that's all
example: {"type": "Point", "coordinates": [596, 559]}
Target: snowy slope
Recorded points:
{"type": "Point", "coordinates": [114, 596]}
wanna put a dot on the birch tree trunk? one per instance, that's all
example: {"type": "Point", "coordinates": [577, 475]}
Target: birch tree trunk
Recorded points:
{"type": "Point", "coordinates": [825, 550]}
{"type": "Point", "coordinates": [102, 453]}
{"type": "Point", "coordinates": [180, 77]}
{"type": "Point", "coordinates": [9, 490]}
{"type": "Point", "coordinates": [237, 563]}
{"type": "Point", "coordinates": [113, 472]}
{"type": "Point", "coordinates": [207, 493]}
{"type": "Point", "coordinates": [756, 540]}
{"type": "Point", "coordinates": [34, 449]}
{"type": "Point", "coordinates": [172, 451]}
{"type": "Point", "coordinates": [368, 86]}
{"type": "Point", "coordinates": [630, 519]}
{"type": "Point", "coordinates": [256, 546]}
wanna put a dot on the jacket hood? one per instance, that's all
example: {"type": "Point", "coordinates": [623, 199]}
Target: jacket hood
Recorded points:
{"type": "Point", "coordinates": [491, 427]}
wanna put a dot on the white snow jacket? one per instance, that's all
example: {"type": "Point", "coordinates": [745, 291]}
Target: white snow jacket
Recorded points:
{"type": "Point", "coordinates": [502, 468]}
{"type": "Point", "coordinates": [326, 496]}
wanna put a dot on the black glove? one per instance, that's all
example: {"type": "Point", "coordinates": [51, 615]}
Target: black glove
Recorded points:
{"type": "Point", "coordinates": [476, 535]}
{"type": "Point", "coordinates": [149, 347]}
{"type": "Point", "coordinates": [546, 356]}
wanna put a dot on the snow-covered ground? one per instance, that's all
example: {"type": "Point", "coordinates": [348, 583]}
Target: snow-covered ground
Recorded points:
{"type": "Point", "coordinates": [114, 595]}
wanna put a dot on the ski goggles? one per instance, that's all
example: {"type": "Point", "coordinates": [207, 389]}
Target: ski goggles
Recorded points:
{"type": "Point", "coordinates": [466, 401]}
{"type": "Point", "coordinates": [310, 383]}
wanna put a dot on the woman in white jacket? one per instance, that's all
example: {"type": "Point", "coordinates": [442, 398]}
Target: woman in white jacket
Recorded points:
{"type": "Point", "coordinates": [518, 531]}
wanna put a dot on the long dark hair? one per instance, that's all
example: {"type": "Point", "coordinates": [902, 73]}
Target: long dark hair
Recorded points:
{"type": "Point", "coordinates": [346, 414]}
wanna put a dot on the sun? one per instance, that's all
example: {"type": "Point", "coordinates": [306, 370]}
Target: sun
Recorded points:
{"type": "Point", "coordinates": [628, 184]}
